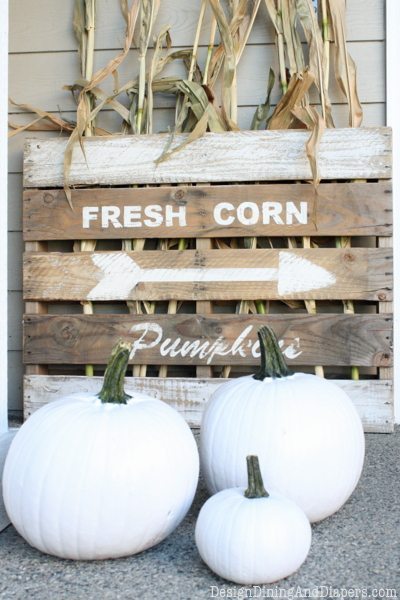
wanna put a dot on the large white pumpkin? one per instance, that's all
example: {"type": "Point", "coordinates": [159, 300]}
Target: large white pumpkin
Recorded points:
{"type": "Point", "coordinates": [92, 479]}
{"type": "Point", "coordinates": [305, 430]}
{"type": "Point", "coordinates": [252, 537]}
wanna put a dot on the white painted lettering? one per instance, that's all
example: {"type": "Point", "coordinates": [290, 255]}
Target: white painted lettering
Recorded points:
{"type": "Point", "coordinates": [237, 346]}
{"type": "Point", "coordinates": [219, 218]}
{"type": "Point", "coordinates": [219, 348]}
{"type": "Point", "coordinates": [168, 347]}
{"type": "Point", "coordinates": [179, 214]}
{"type": "Point", "coordinates": [155, 219]}
{"type": "Point", "coordinates": [293, 211]}
{"type": "Point", "coordinates": [151, 335]}
{"type": "Point", "coordinates": [89, 213]}
{"type": "Point", "coordinates": [252, 210]}
{"type": "Point", "coordinates": [293, 350]}
{"type": "Point", "coordinates": [132, 216]}
{"type": "Point", "coordinates": [109, 215]}
{"type": "Point", "coordinates": [272, 210]}
{"type": "Point", "coordinates": [141, 343]}
{"type": "Point", "coordinates": [225, 214]}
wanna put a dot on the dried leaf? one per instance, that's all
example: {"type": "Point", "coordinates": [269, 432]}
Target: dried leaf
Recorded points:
{"type": "Point", "coordinates": [240, 28]}
{"type": "Point", "coordinates": [261, 115]}
{"type": "Point", "coordinates": [125, 10]}
{"type": "Point", "coordinates": [242, 23]}
{"type": "Point", "coordinates": [283, 117]}
{"type": "Point", "coordinates": [229, 54]}
{"type": "Point", "coordinates": [78, 24]}
{"type": "Point", "coordinates": [83, 111]}
{"type": "Point", "coordinates": [222, 244]}
{"type": "Point", "coordinates": [20, 128]}
{"type": "Point", "coordinates": [345, 68]}
{"type": "Point", "coordinates": [60, 124]}
{"type": "Point", "coordinates": [293, 43]}
{"type": "Point", "coordinates": [199, 103]}
{"type": "Point", "coordinates": [114, 63]}
{"type": "Point", "coordinates": [273, 14]}
{"type": "Point", "coordinates": [156, 66]}
{"type": "Point", "coordinates": [197, 132]}
{"type": "Point", "coordinates": [147, 15]}
{"type": "Point", "coordinates": [313, 120]}
{"type": "Point", "coordinates": [110, 102]}
{"type": "Point", "coordinates": [309, 22]}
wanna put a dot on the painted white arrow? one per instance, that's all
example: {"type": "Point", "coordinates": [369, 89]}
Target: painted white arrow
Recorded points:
{"type": "Point", "coordinates": [122, 274]}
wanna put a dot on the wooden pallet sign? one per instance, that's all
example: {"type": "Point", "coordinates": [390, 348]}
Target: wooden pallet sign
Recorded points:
{"type": "Point", "coordinates": [195, 253]}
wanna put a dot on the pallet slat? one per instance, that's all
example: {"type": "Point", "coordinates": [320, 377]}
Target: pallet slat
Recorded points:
{"type": "Point", "coordinates": [372, 398]}
{"type": "Point", "coordinates": [332, 209]}
{"type": "Point", "coordinates": [326, 339]}
{"type": "Point", "coordinates": [215, 157]}
{"type": "Point", "coordinates": [352, 273]}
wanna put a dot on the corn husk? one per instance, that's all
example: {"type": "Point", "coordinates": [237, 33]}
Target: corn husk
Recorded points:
{"type": "Point", "coordinates": [83, 112]}
{"type": "Point", "coordinates": [345, 68]}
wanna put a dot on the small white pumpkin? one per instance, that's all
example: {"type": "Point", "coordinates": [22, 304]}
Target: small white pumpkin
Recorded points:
{"type": "Point", "coordinates": [94, 477]}
{"type": "Point", "coordinates": [304, 428]}
{"type": "Point", "coordinates": [252, 537]}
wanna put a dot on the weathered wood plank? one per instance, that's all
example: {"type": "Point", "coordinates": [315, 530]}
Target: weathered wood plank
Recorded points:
{"type": "Point", "coordinates": [36, 308]}
{"type": "Point", "coordinates": [385, 308]}
{"type": "Point", "coordinates": [356, 273]}
{"type": "Point", "coordinates": [203, 307]}
{"type": "Point", "coordinates": [164, 120]}
{"type": "Point", "coordinates": [326, 339]}
{"type": "Point", "coordinates": [215, 157]}
{"type": "Point", "coordinates": [332, 209]}
{"type": "Point", "coordinates": [372, 398]}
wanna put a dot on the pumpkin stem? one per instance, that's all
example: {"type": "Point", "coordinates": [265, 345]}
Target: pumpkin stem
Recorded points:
{"type": "Point", "coordinates": [272, 361]}
{"type": "Point", "coordinates": [113, 384]}
{"type": "Point", "coordinates": [256, 487]}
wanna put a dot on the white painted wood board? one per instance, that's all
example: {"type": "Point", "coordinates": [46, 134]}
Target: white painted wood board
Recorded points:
{"type": "Point", "coordinates": [374, 116]}
{"type": "Point", "coordinates": [215, 157]}
{"type": "Point", "coordinates": [372, 398]}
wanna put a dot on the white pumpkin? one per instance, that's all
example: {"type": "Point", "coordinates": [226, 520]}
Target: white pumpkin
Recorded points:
{"type": "Point", "coordinates": [93, 477]}
{"type": "Point", "coordinates": [252, 537]}
{"type": "Point", "coordinates": [304, 428]}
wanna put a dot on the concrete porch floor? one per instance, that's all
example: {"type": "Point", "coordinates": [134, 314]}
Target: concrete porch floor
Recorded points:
{"type": "Point", "coordinates": [357, 549]}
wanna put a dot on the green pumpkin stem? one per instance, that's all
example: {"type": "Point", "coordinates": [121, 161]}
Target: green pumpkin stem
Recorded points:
{"type": "Point", "coordinates": [256, 487]}
{"type": "Point", "coordinates": [272, 361]}
{"type": "Point", "coordinates": [113, 384]}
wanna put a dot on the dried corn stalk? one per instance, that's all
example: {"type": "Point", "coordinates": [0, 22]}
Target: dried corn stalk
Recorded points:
{"type": "Point", "coordinates": [84, 117]}
{"type": "Point", "coordinates": [345, 68]}
{"type": "Point", "coordinates": [84, 22]}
